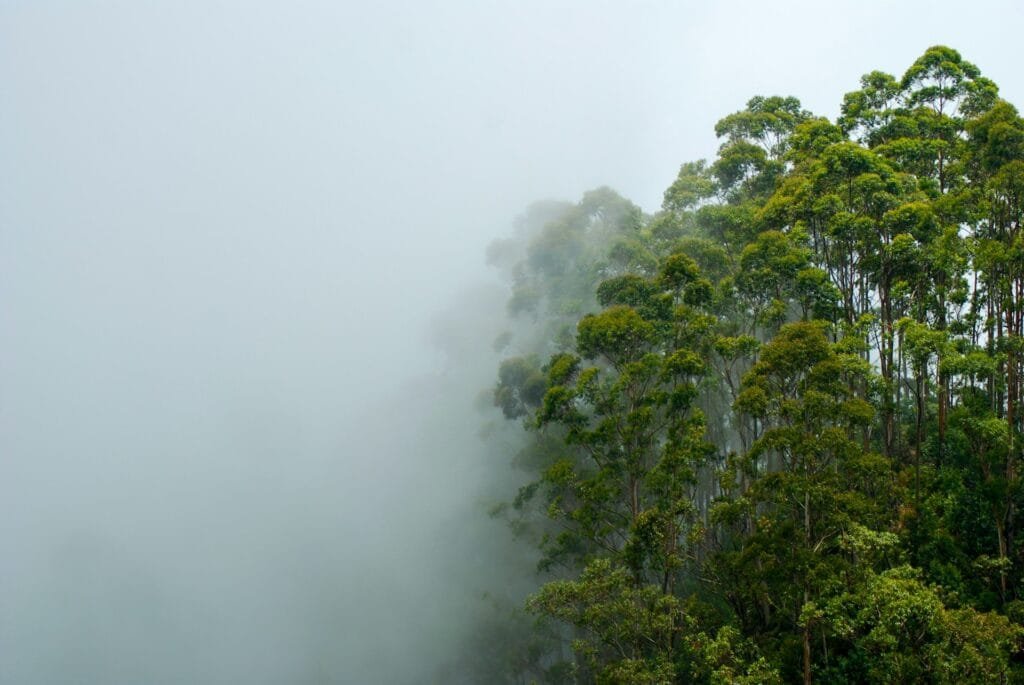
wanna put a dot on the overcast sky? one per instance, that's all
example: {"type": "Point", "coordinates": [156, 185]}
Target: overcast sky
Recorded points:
{"type": "Point", "coordinates": [224, 228]}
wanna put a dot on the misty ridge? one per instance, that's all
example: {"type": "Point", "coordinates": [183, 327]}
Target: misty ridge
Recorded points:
{"type": "Point", "coordinates": [452, 343]}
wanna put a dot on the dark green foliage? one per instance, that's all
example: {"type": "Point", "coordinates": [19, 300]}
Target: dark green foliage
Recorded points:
{"type": "Point", "coordinates": [774, 430]}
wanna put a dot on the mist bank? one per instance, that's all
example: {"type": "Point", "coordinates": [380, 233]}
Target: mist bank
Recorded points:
{"type": "Point", "coordinates": [173, 520]}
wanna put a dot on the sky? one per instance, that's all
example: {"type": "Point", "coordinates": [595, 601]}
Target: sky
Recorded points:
{"type": "Point", "coordinates": [228, 450]}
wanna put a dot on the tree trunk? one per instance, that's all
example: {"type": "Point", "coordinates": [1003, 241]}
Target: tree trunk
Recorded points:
{"type": "Point", "coordinates": [807, 598]}
{"type": "Point", "coordinates": [807, 655]}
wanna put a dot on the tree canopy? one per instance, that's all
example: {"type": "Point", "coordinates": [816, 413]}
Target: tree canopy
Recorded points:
{"type": "Point", "coordinates": [772, 431]}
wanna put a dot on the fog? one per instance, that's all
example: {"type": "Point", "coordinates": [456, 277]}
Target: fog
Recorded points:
{"type": "Point", "coordinates": [245, 314]}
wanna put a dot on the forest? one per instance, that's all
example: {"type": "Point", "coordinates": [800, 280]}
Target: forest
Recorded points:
{"type": "Point", "coordinates": [772, 433]}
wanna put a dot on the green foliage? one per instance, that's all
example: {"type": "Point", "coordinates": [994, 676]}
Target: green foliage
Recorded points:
{"type": "Point", "coordinates": [774, 432]}
{"type": "Point", "coordinates": [627, 632]}
{"type": "Point", "coordinates": [521, 386]}
{"type": "Point", "coordinates": [731, 660]}
{"type": "Point", "coordinates": [899, 631]}
{"type": "Point", "coordinates": [693, 185]}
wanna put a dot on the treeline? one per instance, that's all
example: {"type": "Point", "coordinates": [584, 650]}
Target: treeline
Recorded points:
{"type": "Point", "coordinates": [773, 431]}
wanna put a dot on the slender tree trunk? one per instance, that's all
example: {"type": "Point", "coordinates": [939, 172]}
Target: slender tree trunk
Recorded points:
{"type": "Point", "coordinates": [942, 391]}
{"type": "Point", "coordinates": [920, 412]}
{"type": "Point", "coordinates": [1001, 534]}
{"type": "Point", "coordinates": [900, 375]}
{"type": "Point", "coordinates": [1011, 376]}
{"type": "Point", "coordinates": [634, 497]}
{"type": "Point", "coordinates": [1012, 411]}
{"type": "Point", "coordinates": [807, 598]}
{"type": "Point", "coordinates": [807, 653]}
{"type": "Point", "coordinates": [943, 397]}
{"type": "Point", "coordinates": [885, 360]}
